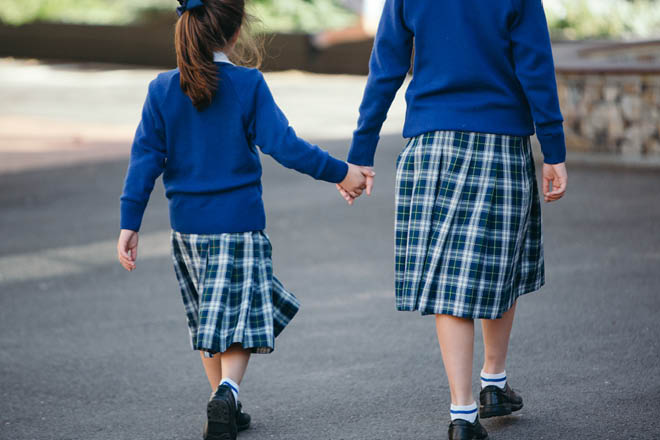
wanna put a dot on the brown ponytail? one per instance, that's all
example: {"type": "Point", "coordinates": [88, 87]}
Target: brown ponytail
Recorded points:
{"type": "Point", "coordinates": [202, 31]}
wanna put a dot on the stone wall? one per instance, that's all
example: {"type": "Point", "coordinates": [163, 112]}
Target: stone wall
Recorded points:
{"type": "Point", "coordinates": [612, 112]}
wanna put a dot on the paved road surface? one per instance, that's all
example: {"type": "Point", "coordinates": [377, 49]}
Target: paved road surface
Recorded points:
{"type": "Point", "coordinates": [88, 351]}
{"type": "Point", "coordinates": [59, 114]}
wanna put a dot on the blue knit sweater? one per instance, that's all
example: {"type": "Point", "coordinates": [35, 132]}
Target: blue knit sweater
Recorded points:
{"type": "Point", "coordinates": [209, 160]}
{"type": "Point", "coordinates": [483, 66]}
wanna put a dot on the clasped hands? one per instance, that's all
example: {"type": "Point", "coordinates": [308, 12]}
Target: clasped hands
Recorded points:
{"type": "Point", "coordinates": [357, 180]}
{"type": "Point", "coordinates": [360, 178]}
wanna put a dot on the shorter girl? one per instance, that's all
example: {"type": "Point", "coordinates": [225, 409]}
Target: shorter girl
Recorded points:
{"type": "Point", "coordinates": [200, 127]}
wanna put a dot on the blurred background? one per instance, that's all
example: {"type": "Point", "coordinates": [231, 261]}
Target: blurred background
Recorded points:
{"type": "Point", "coordinates": [568, 19]}
{"type": "Point", "coordinates": [607, 54]}
{"type": "Point", "coordinates": [88, 351]}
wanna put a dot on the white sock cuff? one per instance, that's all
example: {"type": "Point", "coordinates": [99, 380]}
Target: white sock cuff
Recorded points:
{"type": "Point", "coordinates": [233, 385]}
{"type": "Point", "coordinates": [464, 408]}
{"type": "Point", "coordinates": [465, 412]}
{"type": "Point", "coordinates": [489, 377]}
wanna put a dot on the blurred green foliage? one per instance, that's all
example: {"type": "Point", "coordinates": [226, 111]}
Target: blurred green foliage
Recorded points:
{"type": "Point", "coordinates": [578, 19]}
{"type": "Point", "coordinates": [78, 11]}
{"type": "Point", "coordinates": [275, 15]}
{"type": "Point", "coordinates": [569, 19]}
{"type": "Point", "coordinates": [301, 15]}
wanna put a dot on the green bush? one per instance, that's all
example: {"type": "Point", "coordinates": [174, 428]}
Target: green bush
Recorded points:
{"type": "Point", "coordinates": [301, 15]}
{"type": "Point", "coordinates": [275, 15]}
{"type": "Point", "coordinates": [78, 11]}
{"type": "Point", "coordinates": [578, 19]}
{"type": "Point", "coordinates": [570, 19]}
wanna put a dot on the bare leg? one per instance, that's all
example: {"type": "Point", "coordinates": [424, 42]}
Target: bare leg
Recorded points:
{"type": "Point", "coordinates": [213, 368]}
{"type": "Point", "coordinates": [234, 362]}
{"type": "Point", "coordinates": [496, 341]}
{"type": "Point", "coordinates": [456, 338]}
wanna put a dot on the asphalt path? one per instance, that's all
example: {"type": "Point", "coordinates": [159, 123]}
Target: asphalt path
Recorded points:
{"type": "Point", "coordinates": [89, 351]}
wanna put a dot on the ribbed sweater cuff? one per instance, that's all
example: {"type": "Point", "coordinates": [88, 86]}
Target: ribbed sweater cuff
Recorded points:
{"type": "Point", "coordinates": [363, 150]}
{"type": "Point", "coordinates": [335, 170]}
{"type": "Point", "coordinates": [131, 215]}
{"type": "Point", "coordinates": [553, 146]}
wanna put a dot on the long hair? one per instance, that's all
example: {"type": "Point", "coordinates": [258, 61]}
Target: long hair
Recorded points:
{"type": "Point", "coordinates": [204, 30]}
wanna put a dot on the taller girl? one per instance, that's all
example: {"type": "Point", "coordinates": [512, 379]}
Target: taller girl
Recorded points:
{"type": "Point", "coordinates": [468, 218]}
{"type": "Point", "coordinates": [200, 128]}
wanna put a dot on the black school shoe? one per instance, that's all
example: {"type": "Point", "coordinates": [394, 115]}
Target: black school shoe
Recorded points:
{"type": "Point", "coordinates": [242, 419]}
{"type": "Point", "coordinates": [460, 429]}
{"type": "Point", "coordinates": [221, 412]}
{"type": "Point", "coordinates": [494, 401]}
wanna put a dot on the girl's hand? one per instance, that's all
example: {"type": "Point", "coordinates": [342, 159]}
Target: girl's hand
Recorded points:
{"type": "Point", "coordinates": [350, 200]}
{"type": "Point", "coordinates": [354, 182]}
{"type": "Point", "coordinates": [556, 176]}
{"type": "Point", "coordinates": [368, 173]}
{"type": "Point", "coordinates": [127, 248]}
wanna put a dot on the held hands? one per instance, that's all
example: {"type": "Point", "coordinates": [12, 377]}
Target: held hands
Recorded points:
{"type": "Point", "coordinates": [555, 179]}
{"type": "Point", "coordinates": [357, 179]}
{"type": "Point", "coordinates": [127, 249]}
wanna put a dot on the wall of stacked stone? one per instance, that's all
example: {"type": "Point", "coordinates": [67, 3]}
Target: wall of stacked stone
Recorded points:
{"type": "Point", "coordinates": [611, 112]}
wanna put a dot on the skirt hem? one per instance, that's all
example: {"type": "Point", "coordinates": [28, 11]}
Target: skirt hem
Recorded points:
{"type": "Point", "coordinates": [255, 349]}
{"type": "Point", "coordinates": [429, 311]}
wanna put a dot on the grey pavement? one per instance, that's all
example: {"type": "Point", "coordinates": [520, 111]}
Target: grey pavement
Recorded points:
{"type": "Point", "coordinates": [88, 351]}
{"type": "Point", "coordinates": [64, 114]}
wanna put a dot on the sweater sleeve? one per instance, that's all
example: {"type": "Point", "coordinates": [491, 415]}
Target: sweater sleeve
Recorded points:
{"type": "Point", "coordinates": [147, 162]}
{"type": "Point", "coordinates": [388, 67]}
{"type": "Point", "coordinates": [532, 54]}
{"type": "Point", "coordinates": [270, 130]}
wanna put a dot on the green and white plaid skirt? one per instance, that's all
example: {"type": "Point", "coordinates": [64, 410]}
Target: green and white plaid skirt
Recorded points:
{"type": "Point", "coordinates": [229, 291]}
{"type": "Point", "coordinates": [468, 224]}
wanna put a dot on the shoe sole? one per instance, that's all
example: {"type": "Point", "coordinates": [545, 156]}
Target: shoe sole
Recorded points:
{"type": "Point", "coordinates": [478, 438]}
{"type": "Point", "coordinates": [221, 421]}
{"type": "Point", "coordinates": [488, 411]}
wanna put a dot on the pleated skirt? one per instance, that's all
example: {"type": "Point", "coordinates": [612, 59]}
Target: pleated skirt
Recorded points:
{"type": "Point", "coordinates": [468, 238]}
{"type": "Point", "coordinates": [229, 292]}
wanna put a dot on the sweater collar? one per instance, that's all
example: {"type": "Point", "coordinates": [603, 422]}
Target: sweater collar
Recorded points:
{"type": "Point", "coordinates": [221, 57]}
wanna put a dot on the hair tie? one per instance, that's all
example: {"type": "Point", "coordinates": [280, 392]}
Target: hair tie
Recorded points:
{"type": "Point", "coordinates": [187, 5]}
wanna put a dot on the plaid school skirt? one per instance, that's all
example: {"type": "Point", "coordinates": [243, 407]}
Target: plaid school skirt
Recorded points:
{"type": "Point", "coordinates": [468, 224]}
{"type": "Point", "coordinates": [229, 291]}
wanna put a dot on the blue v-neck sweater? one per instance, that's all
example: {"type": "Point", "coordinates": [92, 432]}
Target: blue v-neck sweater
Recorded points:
{"type": "Point", "coordinates": [479, 65]}
{"type": "Point", "coordinates": [209, 159]}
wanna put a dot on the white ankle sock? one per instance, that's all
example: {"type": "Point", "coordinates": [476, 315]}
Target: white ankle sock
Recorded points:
{"type": "Point", "coordinates": [465, 412]}
{"type": "Point", "coordinates": [498, 379]}
{"type": "Point", "coordinates": [233, 386]}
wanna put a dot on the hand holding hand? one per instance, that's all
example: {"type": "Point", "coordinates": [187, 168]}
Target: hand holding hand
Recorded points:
{"type": "Point", "coordinates": [368, 176]}
{"type": "Point", "coordinates": [127, 248]}
{"type": "Point", "coordinates": [554, 175]}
